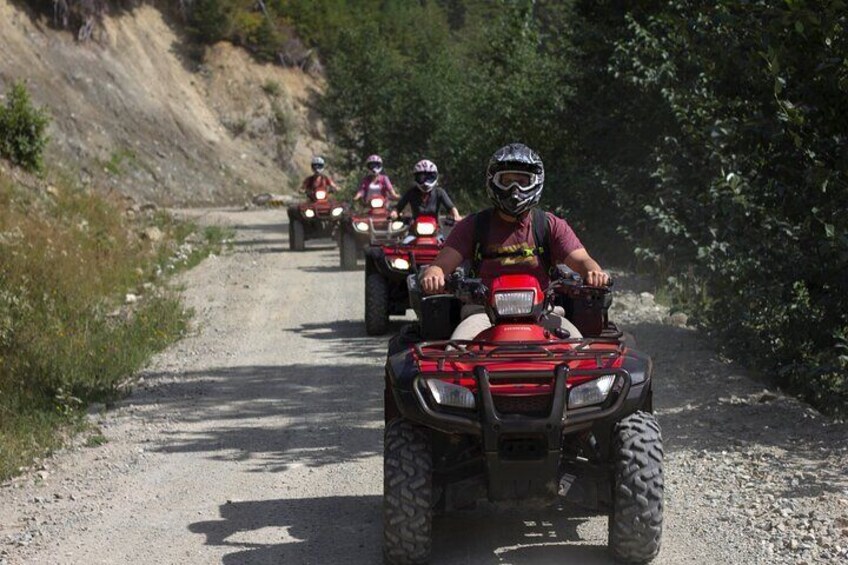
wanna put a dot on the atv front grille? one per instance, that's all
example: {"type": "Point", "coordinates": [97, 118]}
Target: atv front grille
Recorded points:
{"type": "Point", "coordinates": [529, 405]}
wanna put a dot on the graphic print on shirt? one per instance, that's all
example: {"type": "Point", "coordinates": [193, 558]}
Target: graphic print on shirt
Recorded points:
{"type": "Point", "coordinates": [510, 255]}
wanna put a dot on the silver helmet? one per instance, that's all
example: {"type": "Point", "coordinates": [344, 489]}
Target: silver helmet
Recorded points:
{"type": "Point", "coordinates": [515, 178]}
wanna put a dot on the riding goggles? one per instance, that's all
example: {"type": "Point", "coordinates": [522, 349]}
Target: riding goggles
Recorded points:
{"type": "Point", "coordinates": [374, 167]}
{"type": "Point", "coordinates": [426, 178]}
{"type": "Point", "coordinates": [507, 180]}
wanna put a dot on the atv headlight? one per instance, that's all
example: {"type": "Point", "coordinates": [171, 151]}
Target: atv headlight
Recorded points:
{"type": "Point", "coordinates": [514, 303]}
{"type": "Point", "coordinates": [337, 212]}
{"type": "Point", "coordinates": [425, 229]}
{"type": "Point", "coordinates": [320, 194]}
{"type": "Point", "coordinates": [361, 226]}
{"type": "Point", "coordinates": [309, 213]}
{"type": "Point", "coordinates": [448, 394]}
{"type": "Point", "coordinates": [377, 202]}
{"type": "Point", "coordinates": [397, 225]}
{"type": "Point", "coordinates": [400, 264]}
{"type": "Point", "coordinates": [593, 392]}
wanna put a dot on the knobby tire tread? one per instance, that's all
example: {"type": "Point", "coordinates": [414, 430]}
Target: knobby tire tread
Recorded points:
{"type": "Point", "coordinates": [297, 235]}
{"type": "Point", "coordinates": [635, 528]}
{"type": "Point", "coordinates": [376, 304]}
{"type": "Point", "coordinates": [407, 494]}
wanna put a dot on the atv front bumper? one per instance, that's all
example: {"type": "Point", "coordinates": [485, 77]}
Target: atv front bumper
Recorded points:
{"type": "Point", "coordinates": [522, 453]}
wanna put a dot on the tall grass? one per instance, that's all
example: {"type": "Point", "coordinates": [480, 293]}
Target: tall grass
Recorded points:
{"type": "Point", "coordinates": [67, 261]}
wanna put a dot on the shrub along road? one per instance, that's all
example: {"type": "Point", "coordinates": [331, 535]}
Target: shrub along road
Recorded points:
{"type": "Point", "coordinates": [258, 440]}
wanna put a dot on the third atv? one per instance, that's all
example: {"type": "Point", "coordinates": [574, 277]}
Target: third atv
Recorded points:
{"type": "Point", "coordinates": [369, 227]}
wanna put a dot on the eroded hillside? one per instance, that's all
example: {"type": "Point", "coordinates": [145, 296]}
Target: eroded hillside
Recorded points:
{"type": "Point", "coordinates": [133, 111]}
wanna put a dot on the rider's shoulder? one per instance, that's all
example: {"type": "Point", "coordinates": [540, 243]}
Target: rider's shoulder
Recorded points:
{"type": "Point", "coordinates": [558, 224]}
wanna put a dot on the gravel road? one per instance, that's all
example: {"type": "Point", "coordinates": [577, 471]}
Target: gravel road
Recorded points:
{"type": "Point", "coordinates": [258, 439]}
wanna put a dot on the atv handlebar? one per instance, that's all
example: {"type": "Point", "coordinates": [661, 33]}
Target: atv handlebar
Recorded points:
{"type": "Point", "coordinates": [466, 289]}
{"type": "Point", "coordinates": [474, 291]}
{"type": "Point", "coordinates": [573, 282]}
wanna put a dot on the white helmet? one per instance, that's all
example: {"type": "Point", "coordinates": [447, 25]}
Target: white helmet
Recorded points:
{"type": "Point", "coordinates": [426, 174]}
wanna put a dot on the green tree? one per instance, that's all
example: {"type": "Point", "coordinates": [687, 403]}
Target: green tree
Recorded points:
{"type": "Point", "coordinates": [23, 136]}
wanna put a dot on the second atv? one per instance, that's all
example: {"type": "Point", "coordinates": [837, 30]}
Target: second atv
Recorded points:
{"type": "Point", "coordinates": [387, 266]}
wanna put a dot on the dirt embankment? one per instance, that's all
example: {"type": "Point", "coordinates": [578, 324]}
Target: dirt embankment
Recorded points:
{"type": "Point", "coordinates": [133, 111]}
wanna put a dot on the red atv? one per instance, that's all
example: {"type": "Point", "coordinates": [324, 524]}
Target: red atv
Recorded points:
{"type": "Point", "coordinates": [318, 217]}
{"type": "Point", "coordinates": [519, 413]}
{"type": "Point", "coordinates": [388, 265]}
{"type": "Point", "coordinates": [373, 226]}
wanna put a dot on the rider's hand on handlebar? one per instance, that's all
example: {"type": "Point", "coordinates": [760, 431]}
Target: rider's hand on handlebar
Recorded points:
{"type": "Point", "coordinates": [433, 280]}
{"type": "Point", "coordinates": [597, 278]}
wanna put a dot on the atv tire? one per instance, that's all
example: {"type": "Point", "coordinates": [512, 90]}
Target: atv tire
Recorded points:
{"type": "Point", "coordinates": [376, 304]}
{"type": "Point", "coordinates": [635, 525]}
{"type": "Point", "coordinates": [348, 252]}
{"type": "Point", "coordinates": [407, 493]}
{"type": "Point", "coordinates": [297, 235]}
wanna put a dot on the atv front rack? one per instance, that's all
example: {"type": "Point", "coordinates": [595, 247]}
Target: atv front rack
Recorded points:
{"type": "Point", "coordinates": [559, 351]}
{"type": "Point", "coordinates": [384, 236]}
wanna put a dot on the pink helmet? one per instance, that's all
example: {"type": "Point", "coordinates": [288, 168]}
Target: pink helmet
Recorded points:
{"type": "Point", "coordinates": [374, 163]}
{"type": "Point", "coordinates": [426, 174]}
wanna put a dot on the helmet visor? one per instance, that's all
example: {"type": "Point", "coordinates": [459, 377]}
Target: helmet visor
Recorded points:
{"type": "Point", "coordinates": [317, 167]}
{"type": "Point", "coordinates": [426, 177]}
{"type": "Point", "coordinates": [506, 180]}
{"type": "Point", "coordinates": [374, 166]}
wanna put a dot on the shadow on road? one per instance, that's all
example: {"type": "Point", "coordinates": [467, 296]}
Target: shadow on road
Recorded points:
{"type": "Point", "coordinates": [348, 529]}
{"type": "Point", "coordinates": [274, 417]}
{"type": "Point", "coordinates": [329, 269]}
{"type": "Point", "coordinates": [335, 529]}
{"type": "Point", "coordinates": [348, 337]}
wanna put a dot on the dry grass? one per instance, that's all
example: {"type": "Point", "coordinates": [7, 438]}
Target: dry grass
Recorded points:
{"type": "Point", "coordinates": [67, 261]}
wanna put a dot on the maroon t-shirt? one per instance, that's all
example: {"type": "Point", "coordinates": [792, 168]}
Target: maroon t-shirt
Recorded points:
{"type": "Point", "coordinates": [506, 237]}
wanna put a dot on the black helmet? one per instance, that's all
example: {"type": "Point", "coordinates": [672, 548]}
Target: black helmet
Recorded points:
{"type": "Point", "coordinates": [515, 178]}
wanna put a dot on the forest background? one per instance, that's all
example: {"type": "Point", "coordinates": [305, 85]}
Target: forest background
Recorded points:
{"type": "Point", "coordinates": [705, 141]}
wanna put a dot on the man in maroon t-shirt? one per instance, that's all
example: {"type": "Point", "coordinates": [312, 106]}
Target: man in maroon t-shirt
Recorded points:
{"type": "Point", "coordinates": [514, 181]}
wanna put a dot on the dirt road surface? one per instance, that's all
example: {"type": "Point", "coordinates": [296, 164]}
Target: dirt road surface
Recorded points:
{"type": "Point", "coordinates": [258, 439]}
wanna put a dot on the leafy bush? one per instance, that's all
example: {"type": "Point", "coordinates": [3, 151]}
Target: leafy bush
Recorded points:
{"type": "Point", "coordinates": [734, 122]}
{"type": "Point", "coordinates": [66, 336]}
{"type": "Point", "coordinates": [22, 129]}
